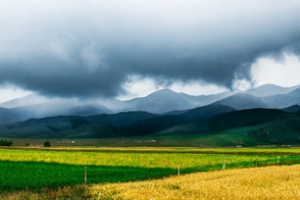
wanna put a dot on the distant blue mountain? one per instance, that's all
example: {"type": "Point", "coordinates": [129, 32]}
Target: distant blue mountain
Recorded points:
{"type": "Point", "coordinates": [7, 116]}
{"type": "Point", "coordinates": [159, 102]}
{"type": "Point", "coordinates": [243, 101]}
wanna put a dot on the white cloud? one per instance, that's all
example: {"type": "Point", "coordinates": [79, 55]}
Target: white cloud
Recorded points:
{"type": "Point", "coordinates": [242, 85]}
{"type": "Point", "coordinates": [140, 87]}
{"type": "Point", "coordinates": [196, 88]}
{"type": "Point", "coordinates": [284, 71]}
{"type": "Point", "coordinates": [11, 92]}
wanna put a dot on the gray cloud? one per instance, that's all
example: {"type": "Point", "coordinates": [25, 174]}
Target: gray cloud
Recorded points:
{"type": "Point", "coordinates": [86, 49]}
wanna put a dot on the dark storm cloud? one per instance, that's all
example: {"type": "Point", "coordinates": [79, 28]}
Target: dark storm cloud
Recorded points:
{"type": "Point", "coordinates": [91, 48]}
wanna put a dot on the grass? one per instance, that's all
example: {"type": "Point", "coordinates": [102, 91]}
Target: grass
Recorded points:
{"type": "Point", "coordinates": [137, 159]}
{"type": "Point", "coordinates": [270, 183]}
{"type": "Point", "coordinates": [36, 169]}
{"type": "Point", "coordinates": [36, 176]}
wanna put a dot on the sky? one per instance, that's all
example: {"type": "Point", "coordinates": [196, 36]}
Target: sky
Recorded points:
{"type": "Point", "coordinates": [126, 48]}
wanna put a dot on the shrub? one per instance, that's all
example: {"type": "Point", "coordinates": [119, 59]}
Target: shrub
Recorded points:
{"type": "Point", "coordinates": [47, 144]}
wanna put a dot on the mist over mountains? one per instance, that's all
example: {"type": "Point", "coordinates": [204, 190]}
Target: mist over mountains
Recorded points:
{"type": "Point", "coordinates": [160, 102]}
{"type": "Point", "coordinates": [164, 113]}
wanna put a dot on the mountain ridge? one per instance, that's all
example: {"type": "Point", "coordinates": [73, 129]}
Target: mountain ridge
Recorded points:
{"type": "Point", "coordinates": [160, 102]}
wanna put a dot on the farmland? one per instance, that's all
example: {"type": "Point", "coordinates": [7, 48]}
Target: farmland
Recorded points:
{"type": "Point", "coordinates": [276, 183]}
{"type": "Point", "coordinates": [51, 169]}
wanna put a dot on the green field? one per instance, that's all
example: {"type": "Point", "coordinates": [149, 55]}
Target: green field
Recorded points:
{"type": "Point", "coordinates": [35, 169]}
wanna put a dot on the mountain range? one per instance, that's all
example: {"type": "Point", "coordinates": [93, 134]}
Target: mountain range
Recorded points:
{"type": "Point", "coordinates": [160, 102]}
{"type": "Point", "coordinates": [267, 114]}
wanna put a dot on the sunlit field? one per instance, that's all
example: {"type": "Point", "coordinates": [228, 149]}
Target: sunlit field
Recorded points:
{"type": "Point", "coordinates": [53, 168]}
{"type": "Point", "coordinates": [255, 183]}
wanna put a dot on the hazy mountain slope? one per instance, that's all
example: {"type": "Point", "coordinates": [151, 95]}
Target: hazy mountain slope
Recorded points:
{"type": "Point", "coordinates": [58, 108]}
{"type": "Point", "coordinates": [159, 102]}
{"type": "Point", "coordinates": [6, 116]}
{"type": "Point", "coordinates": [284, 100]}
{"type": "Point", "coordinates": [35, 106]}
{"type": "Point", "coordinates": [41, 110]}
{"type": "Point", "coordinates": [270, 90]}
{"type": "Point", "coordinates": [86, 110]}
{"type": "Point", "coordinates": [112, 104]}
{"type": "Point", "coordinates": [28, 100]}
{"type": "Point", "coordinates": [163, 101]}
{"type": "Point", "coordinates": [243, 101]}
{"type": "Point", "coordinates": [203, 100]}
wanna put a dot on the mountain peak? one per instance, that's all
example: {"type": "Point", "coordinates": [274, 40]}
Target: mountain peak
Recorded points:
{"type": "Point", "coordinates": [165, 91]}
{"type": "Point", "coordinates": [162, 101]}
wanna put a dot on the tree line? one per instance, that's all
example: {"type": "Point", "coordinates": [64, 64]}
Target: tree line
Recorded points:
{"type": "Point", "coordinates": [6, 143]}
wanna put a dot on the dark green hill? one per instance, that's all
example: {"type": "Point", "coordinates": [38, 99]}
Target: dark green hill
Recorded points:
{"type": "Point", "coordinates": [105, 126]}
{"type": "Point", "coordinates": [121, 119]}
{"type": "Point", "coordinates": [214, 125]}
{"type": "Point", "coordinates": [243, 118]}
{"type": "Point", "coordinates": [293, 109]}
{"type": "Point", "coordinates": [247, 128]}
{"type": "Point", "coordinates": [98, 126]}
{"type": "Point", "coordinates": [153, 125]}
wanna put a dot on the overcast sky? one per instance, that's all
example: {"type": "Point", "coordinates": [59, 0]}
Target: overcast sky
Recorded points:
{"type": "Point", "coordinates": [126, 49]}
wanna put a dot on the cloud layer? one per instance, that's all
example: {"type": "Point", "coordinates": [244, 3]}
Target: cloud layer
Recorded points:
{"type": "Point", "coordinates": [91, 48]}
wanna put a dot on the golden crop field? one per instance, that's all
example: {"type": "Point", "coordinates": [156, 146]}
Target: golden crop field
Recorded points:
{"type": "Point", "coordinates": [255, 183]}
{"type": "Point", "coordinates": [270, 183]}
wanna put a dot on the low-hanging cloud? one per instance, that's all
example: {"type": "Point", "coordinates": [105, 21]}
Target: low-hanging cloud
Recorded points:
{"type": "Point", "coordinates": [91, 48]}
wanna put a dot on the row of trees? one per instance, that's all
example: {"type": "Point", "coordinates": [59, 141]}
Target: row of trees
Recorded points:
{"type": "Point", "coordinates": [6, 143]}
{"type": "Point", "coordinates": [9, 143]}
